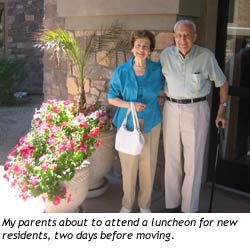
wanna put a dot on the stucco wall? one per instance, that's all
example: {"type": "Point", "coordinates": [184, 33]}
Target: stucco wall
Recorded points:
{"type": "Point", "coordinates": [139, 14]}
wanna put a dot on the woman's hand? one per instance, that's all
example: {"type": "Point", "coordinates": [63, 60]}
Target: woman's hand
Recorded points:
{"type": "Point", "coordinates": [139, 106]}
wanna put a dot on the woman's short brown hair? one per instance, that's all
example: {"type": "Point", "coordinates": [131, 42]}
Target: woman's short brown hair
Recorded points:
{"type": "Point", "coordinates": [144, 34]}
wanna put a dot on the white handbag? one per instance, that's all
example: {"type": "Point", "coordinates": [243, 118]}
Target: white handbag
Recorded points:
{"type": "Point", "coordinates": [130, 142]}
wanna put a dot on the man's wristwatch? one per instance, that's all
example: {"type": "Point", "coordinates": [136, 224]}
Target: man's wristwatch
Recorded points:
{"type": "Point", "coordinates": [224, 104]}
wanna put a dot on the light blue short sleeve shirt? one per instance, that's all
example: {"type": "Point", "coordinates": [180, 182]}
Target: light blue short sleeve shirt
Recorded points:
{"type": "Point", "coordinates": [190, 77]}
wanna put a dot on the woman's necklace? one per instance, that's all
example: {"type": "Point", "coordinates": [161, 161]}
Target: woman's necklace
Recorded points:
{"type": "Point", "coordinates": [139, 69]}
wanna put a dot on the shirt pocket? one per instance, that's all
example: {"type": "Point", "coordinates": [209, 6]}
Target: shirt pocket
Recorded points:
{"type": "Point", "coordinates": [196, 82]}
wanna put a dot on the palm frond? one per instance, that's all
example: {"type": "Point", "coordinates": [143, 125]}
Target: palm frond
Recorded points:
{"type": "Point", "coordinates": [63, 45]}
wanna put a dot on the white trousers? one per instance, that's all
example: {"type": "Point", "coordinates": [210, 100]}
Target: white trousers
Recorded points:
{"type": "Point", "coordinates": [144, 166]}
{"type": "Point", "coordinates": [185, 128]}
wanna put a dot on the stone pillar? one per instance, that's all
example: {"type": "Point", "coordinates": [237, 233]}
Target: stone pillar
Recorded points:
{"type": "Point", "coordinates": [55, 76]}
{"type": "Point", "coordinates": [24, 20]}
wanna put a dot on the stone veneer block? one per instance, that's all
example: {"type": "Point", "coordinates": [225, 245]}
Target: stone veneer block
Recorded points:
{"type": "Point", "coordinates": [163, 40]}
{"type": "Point", "coordinates": [72, 86]}
{"type": "Point", "coordinates": [103, 58]}
{"type": "Point", "coordinates": [94, 92]}
{"type": "Point", "coordinates": [155, 56]}
{"type": "Point", "coordinates": [19, 6]}
{"type": "Point", "coordinates": [103, 96]}
{"type": "Point", "coordinates": [87, 86]}
{"type": "Point", "coordinates": [29, 18]}
{"type": "Point", "coordinates": [99, 84]}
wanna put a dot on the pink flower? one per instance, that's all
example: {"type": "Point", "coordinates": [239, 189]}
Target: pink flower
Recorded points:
{"type": "Point", "coordinates": [21, 140]}
{"type": "Point", "coordinates": [64, 190]}
{"type": "Point", "coordinates": [98, 143]}
{"type": "Point", "coordinates": [26, 150]}
{"type": "Point", "coordinates": [51, 141]}
{"type": "Point", "coordinates": [84, 124]}
{"type": "Point", "coordinates": [55, 109]}
{"type": "Point", "coordinates": [33, 180]}
{"type": "Point", "coordinates": [5, 176]}
{"type": "Point", "coordinates": [44, 198]}
{"type": "Point", "coordinates": [103, 119]}
{"type": "Point", "coordinates": [7, 165]}
{"type": "Point", "coordinates": [83, 149]}
{"type": "Point", "coordinates": [52, 101]}
{"type": "Point", "coordinates": [50, 116]}
{"type": "Point", "coordinates": [44, 167]}
{"type": "Point", "coordinates": [61, 147]}
{"type": "Point", "coordinates": [24, 187]}
{"type": "Point", "coordinates": [57, 200]}
{"type": "Point", "coordinates": [36, 116]}
{"type": "Point", "coordinates": [24, 196]}
{"type": "Point", "coordinates": [13, 152]}
{"type": "Point", "coordinates": [16, 169]}
{"type": "Point", "coordinates": [66, 103]}
{"type": "Point", "coordinates": [69, 198]}
{"type": "Point", "coordinates": [69, 145]}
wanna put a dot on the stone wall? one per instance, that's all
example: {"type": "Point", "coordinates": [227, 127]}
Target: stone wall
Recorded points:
{"type": "Point", "coordinates": [101, 68]}
{"type": "Point", "coordinates": [24, 20]}
{"type": "Point", "coordinates": [60, 81]}
{"type": "Point", "coordinates": [55, 76]}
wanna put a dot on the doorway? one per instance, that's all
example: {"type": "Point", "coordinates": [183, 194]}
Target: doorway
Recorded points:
{"type": "Point", "coordinates": [233, 54]}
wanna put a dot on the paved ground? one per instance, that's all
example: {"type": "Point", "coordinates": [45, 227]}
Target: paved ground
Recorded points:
{"type": "Point", "coordinates": [15, 122]}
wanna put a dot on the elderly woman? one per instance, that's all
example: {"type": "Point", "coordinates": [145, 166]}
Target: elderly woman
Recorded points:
{"type": "Point", "coordinates": [138, 80]}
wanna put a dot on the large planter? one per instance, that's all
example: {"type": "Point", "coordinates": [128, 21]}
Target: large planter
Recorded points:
{"type": "Point", "coordinates": [78, 188]}
{"type": "Point", "coordinates": [101, 162]}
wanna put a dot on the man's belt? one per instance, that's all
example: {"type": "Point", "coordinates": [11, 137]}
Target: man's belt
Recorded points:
{"type": "Point", "coordinates": [186, 101]}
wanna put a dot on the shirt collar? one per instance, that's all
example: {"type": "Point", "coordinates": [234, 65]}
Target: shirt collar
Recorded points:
{"type": "Point", "coordinates": [189, 55]}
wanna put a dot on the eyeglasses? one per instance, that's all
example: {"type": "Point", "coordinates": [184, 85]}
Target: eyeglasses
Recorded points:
{"type": "Point", "coordinates": [184, 36]}
{"type": "Point", "coordinates": [142, 47]}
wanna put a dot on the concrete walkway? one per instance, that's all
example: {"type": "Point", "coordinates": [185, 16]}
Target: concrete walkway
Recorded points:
{"type": "Point", "coordinates": [15, 122]}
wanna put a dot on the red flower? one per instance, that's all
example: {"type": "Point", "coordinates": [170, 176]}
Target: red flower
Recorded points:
{"type": "Point", "coordinates": [57, 200]}
{"type": "Point", "coordinates": [94, 132]}
{"type": "Point", "coordinates": [98, 143]}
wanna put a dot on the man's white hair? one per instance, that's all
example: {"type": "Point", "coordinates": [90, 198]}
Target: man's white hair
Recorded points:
{"type": "Point", "coordinates": [185, 22]}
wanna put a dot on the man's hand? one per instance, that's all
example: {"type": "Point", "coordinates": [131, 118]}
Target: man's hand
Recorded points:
{"type": "Point", "coordinates": [221, 117]}
{"type": "Point", "coordinates": [221, 111]}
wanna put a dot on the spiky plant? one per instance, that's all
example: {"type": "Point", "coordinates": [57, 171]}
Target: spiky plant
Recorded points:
{"type": "Point", "coordinates": [64, 45]}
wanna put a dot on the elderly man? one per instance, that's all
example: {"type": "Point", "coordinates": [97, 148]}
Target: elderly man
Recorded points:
{"type": "Point", "coordinates": [189, 71]}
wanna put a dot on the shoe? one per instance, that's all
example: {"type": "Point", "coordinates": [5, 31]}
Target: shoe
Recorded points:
{"type": "Point", "coordinates": [171, 210]}
{"type": "Point", "coordinates": [145, 210]}
{"type": "Point", "coordinates": [125, 210]}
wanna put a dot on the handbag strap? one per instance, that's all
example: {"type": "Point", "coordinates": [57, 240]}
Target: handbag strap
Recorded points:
{"type": "Point", "coordinates": [124, 122]}
{"type": "Point", "coordinates": [134, 117]}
